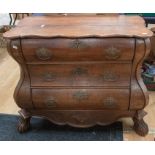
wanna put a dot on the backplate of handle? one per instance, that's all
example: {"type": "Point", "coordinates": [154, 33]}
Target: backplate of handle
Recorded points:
{"type": "Point", "coordinates": [110, 76]}
{"type": "Point", "coordinates": [51, 103]}
{"type": "Point", "coordinates": [110, 102]}
{"type": "Point", "coordinates": [80, 95]}
{"type": "Point", "coordinates": [43, 53]}
{"type": "Point", "coordinates": [49, 76]}
{"type": "Point", "coordinates": [112, 53]}
{"type": "Point", "coordinates": [79, 71]}
{"type": "Point", "coordinates": [78, 44]}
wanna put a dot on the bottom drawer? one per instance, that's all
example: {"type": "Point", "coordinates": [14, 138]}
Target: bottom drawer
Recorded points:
{"type": "Point", "coordinates": [81, 99]}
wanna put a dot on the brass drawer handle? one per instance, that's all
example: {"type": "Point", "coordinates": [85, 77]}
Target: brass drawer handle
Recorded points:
{"type": "Point", "coordinates": [110, 102]}
{"type": "Point", "coordinates": [79, 71]}
{"type": "Point", "coordinates": [110, 76]}
{"type": "Point", "coordinates": [80, 95]}
{"type": "Point", "coordinates": [51, 103]}
{"type": "Point", "coordinates": [77, 44]}
{"type": "Point", "coordinates": [43, 54]}
{"type": "Point", "coordinates": [112, 53]}
{"type": "Point", "coordinates": [49, 76]}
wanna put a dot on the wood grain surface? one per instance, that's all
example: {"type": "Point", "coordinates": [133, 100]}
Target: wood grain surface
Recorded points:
{"type": "Point", "coordinates": [86, 49]}
{"type": "Point", "coordinates": [80, 26]}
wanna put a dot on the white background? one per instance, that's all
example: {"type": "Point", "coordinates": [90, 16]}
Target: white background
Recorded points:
{"type": "Point", "coordinates": [78, 6]}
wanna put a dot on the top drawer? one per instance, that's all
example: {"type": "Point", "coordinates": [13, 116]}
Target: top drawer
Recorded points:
{"type": "Point", "coordinates": [84, 49]}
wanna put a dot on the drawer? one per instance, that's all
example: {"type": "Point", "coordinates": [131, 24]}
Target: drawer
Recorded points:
{"type": "Point", "coordinates": [86, 49]}
{"type": "Point", "coordinates": [81, 99]}
{"type": "Point", "coordinates": [92, 74]}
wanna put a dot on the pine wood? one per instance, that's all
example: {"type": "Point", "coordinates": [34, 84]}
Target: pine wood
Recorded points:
{"type": "Point", "coordinates": [94, 103]}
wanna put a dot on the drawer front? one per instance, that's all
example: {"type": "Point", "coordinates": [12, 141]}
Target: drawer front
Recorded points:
{"type": "Point", "coordinates": [88, 49]}
{"type": "Point", "coordinates": [98, 74]}
{"type": "Point", "coordinates": [82, 99]}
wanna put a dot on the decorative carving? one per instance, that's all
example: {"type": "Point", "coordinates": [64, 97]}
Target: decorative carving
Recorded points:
{"type": "Point", "coordinates": [80, 95]}
{"type": "Point", "coordinates": [81, 118]}
{"type": "Point", "coordinates": [110, 102]}
{"type": "Point", "coordinates": [49, 76]}
{"type": "Point", "coordinates": [43, 54]}
{"type": "Point", "coordinates": [140, 126]}
{"type": "Point", "coordinates": [79, 71]}
{"type": "Point", "coordinates": [77, 44]}
{"type": "Point", "coordinates": [51, 103]}
{"type": "Point", "coordinates": [110, 76]}
{"type": "Point", "coordinates": [112, 53]}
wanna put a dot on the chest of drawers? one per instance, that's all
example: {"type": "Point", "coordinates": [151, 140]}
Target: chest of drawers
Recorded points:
{"type": "Point", "coordinates": [80, 71]}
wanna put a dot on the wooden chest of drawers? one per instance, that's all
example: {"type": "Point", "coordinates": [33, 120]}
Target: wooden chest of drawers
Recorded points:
{"type": "Point", "coordinates": [80, 71]}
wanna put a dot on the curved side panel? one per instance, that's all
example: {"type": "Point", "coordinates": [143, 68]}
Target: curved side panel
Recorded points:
{"type": "Point", "coordinates": [139, 94]}
{"type": "Point", "coordinates": [22, 93]}
{"type": "Point", "coordinates": [139, 78]}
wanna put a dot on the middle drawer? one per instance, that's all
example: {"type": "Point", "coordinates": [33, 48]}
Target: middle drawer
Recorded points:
{"type": "Point", "coordinates": [98, 74]}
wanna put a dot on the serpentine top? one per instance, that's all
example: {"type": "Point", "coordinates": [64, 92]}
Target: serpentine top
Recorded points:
{"type": "Point", "coordinates": [80, 26]}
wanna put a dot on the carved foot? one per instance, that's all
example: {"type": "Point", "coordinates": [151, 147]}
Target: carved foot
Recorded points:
{"type": "Point", "coordinates": [24, 122]}
{"type": "Point", "coordinates": [140, 127]}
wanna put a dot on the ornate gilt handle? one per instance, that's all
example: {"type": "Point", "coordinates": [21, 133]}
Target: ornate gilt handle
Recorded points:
{"type": "Point", "coordinates": [51, 103]}
{"type": "Point", "coordinates": [80, 95]}
{"type": "Point", "coordinates": [49, 76]}
{"type": "Point", "coordinates": [79, 71]}
{"type": "Point", "coordinates": [112, 53]}
{"type": "Point", "coordinates": [77, 44]}
{"type": "Point", "coordinates": [110, 76]}
{"type": "Point", "coordinates": [43, 54]}
{"type": "Point", "coordinates": [110, 102]}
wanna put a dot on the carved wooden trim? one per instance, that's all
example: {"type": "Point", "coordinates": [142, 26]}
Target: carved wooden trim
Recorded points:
{"type": "Point", "coordinates": [81, 118]}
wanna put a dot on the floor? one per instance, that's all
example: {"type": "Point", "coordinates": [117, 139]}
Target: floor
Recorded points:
{"type": "Point", "coordinates": [9, 76]}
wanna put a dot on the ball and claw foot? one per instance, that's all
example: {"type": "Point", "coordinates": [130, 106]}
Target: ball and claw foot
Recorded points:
{"type": "Point", "coordinates": [140, 127]}
{"type": "Point", "coordinates": [24, 122]}
{"type": "Point", "coordinates": [24, 125]}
